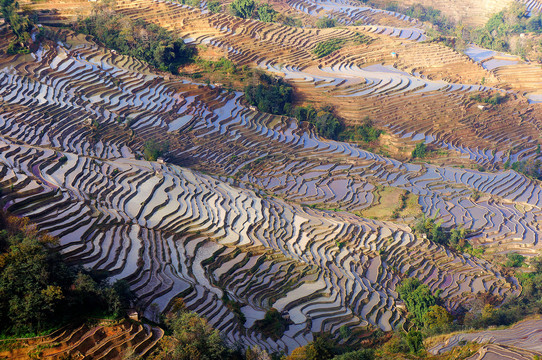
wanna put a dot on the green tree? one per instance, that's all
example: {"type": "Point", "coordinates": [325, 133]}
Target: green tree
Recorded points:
{"type": "Point", "coordinates": [414, 340]}
{"type": "Point", "coordinates": [243, 8]}
{"type": "Point", "coordinates": [274, 98]}
{"type": "Point", "coordinates": [214, 6]}
{"type": "Point", "coordinates": [419, 151]}
{"type": "Point", "coordinates": [514, 260]}
{"type": "Point", "coordinates": [195, 338]}
{"type": "Point", "coordinates": [152, 149]}
{"type": "Point", "coordinates": [266, 13]}
{"type": "Point", "coordinates": [363, 354]}
{"type": "Point", "coordinates": [437, 317]}
{"type": "Point", "coordinates": [320, 349]}
{"type": "Point", "coordinates": [20, 25]}
{"type": "Point", "coordinates": [417, 297]}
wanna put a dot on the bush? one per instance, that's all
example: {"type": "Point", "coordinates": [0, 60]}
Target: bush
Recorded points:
{"type": "Point", "coordinates": [243, 8]}
{"type": "Point", "coordinates": [326, 22]}
{"type": "Point", "coordinates": [20, 25]}
{"type": "Point", "coordinates": [214, 6]}
{"type": "Point", "coordinates": [152, 150]}
{"type": "Point", "coordinates": [266, 13]}
{"type": "Point", "coordinates": [419, 151]}
{"type": "Point", "coordinates": [417, 297]}
{"type": "Point", "coordinates": [326, 124]}
{"type": "Point", "coordinates": [327, 47]}
{"type": "Point", "coordinates": [363, 354]}
{"type": "Point", "coordinates": [365, 132]}
{"type": "Point", "coordinates": [514, 260]}
{"type": "Point", "coordinates": [275, 97]}
{"type": "Point", "coordinates": [195, 338]}
{"type": "Point", "coordinates": [273, 325]}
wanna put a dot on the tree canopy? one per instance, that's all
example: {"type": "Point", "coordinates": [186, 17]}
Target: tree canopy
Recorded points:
{"type": "Point", "coordinates": [38, 290]}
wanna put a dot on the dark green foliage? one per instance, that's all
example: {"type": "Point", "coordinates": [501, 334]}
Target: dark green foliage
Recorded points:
{"type": "Point", "coordinates": [529, 167]}
{"type": "Point", "coordinates": [326, 124]}
{"type": "Point", "coordinates": [514, 260]}
{"type": "Point", "coordinates": [152, 150]}
{"type": "Point", "coordinates": [327, 47]}
{"type": "Point", "coordinates": [345, 331]}
{"type": "Point", "coordinates": [195, 339]}
{"type": "Point", "coordinates": [326, 22]}
{"type": "Point", "coordinates": [365, 132]}
{"type": "Point", "coordinates": [417, 297]}
{"type": "Point", "coordinates": [214, 6]}
{"type": "Point", "coordinates": [419, 151]}
{"type": "Point", "coordinates": [363, 354]}
{"type": "Point", "coordinates": [147, 42]}
{"type": "Point", "coordinates": [273, 325]}
{"type": "Point", "coordinates": [266, 13]}
{"type": "Point", "coordinates": [429, 14]}
{"type": "Point", "coordinates": [20, 25]}
{"type": "Point", "coordinates": [274, 97]}
{"type": "Point", "coordinates": [496, 99]}
{"type": "Point", "coordinates": [321, 348]}
{"type": "Point", "coordinates": [414, 340]}
{"type": "Point", "coordinates": [39, 291]}
{"type": "Point", "coordinates": [243, 8]}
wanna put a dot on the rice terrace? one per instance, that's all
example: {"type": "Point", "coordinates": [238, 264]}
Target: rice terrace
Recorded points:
{"type": "Point", "coordinates": [270, 179]}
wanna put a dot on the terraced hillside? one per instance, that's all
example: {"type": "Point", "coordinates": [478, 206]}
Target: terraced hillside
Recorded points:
{"type": "Point", "coordinates": [521, 341]}
{"type": "Point", "coordinates": [430, 83]}
{"type": "Point", "coordinates": [354, 80]}
{"type": "Point", "coordinates": [106, 340]}
{"type": "Point", "coordinates": [68, 148]}
{"type": "Point", "coordinates": [257, 208]}
{"type": "Point", "coordinates": [210, 129]}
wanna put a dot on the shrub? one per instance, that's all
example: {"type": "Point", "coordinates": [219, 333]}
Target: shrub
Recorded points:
{"type": "Point", "coordinates": [417, 297]}
{"type": "Point", "coordinates": [152, 150]}
{"type": "Point", "coordinates": [275, 97]}
{"type": "Point", "coordinates": [195, 338]}
{"type": "Point", "coordinates": [326, 22]}
{"type": "Point", "coordinates": [39, 291]}
{"type": "Point", "coordinates": [214, 6]}
{"type": "Point", "coordinates": [514, 260]}
{"type": "Point", "coordinates": [266, 13]}
{"type": "Point", "coordinates": [419, 151]}
{"type": "Point", "coordinates": [243, 8]}
{"type": "Point", "coordinates": [325, 48]}
{"type": "Point", "coordinates": [273, 325]}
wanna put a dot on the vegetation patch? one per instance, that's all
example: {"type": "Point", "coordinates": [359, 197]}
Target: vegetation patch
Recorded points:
{"type": "Point", "coordinates": [273, 96]}
{"type": "Point", "coordinates": [327, 47]}
{"type": "Point", "coordinates": [273, 325]}
{"type": "Point", "coordinates": [147, 42]}
{"type": "Point", "coordinates": [38, 291]}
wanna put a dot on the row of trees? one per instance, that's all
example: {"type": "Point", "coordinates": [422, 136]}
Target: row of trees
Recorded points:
{"type": "Point", "coordinates": [39, 291]}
